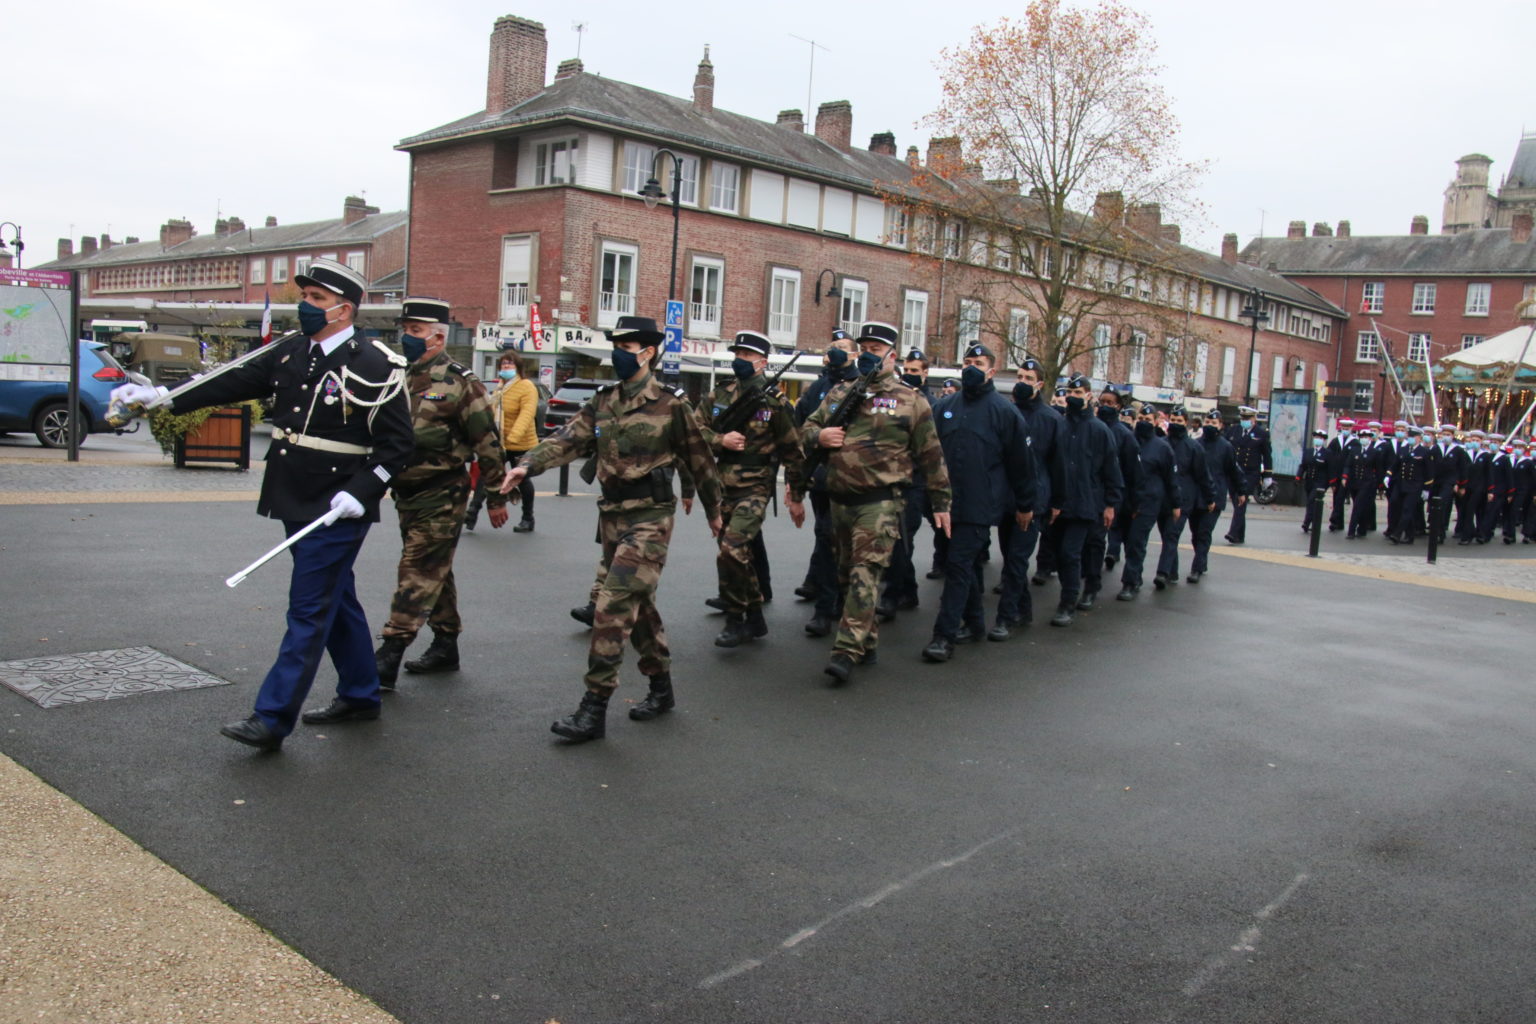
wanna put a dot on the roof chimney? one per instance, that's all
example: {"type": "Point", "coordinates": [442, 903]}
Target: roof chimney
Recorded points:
{"type": "Point", "coordinates": [704, 85]}
{"type": "Point", "coordinates": [883, 143]}
{"type": "Point", "coordinates": [1146, 219]}
{"type": "Point", "coordinates": [1008, 186]}
{"type": "Point", "coordinates": [88, 245]}
{"type": "Point", "coordinates": [834, 124]}
{"type": "Point", "coordinates": [271, 222]}
{"type": "Point", "coordinates": [1229, 249]}
{"type": "Point", "coordinates": [1109, 207]}
{"type": "Point", "coordinates": [354, 209]}
{"type": "Point", "coordinates": [1419, 225]}
{"type": "Point", "coordinates": [1343, 230]}
{"type": "Point", "coordinates": [1170, 233]}
{"type": "Point", "coordinates": [1520, 227]}
{"type": "Point", "coordinates": [66, 248]}
{"type": "Point", "coordinates": [794, 120]}
{"type": "Point", "coordinates": [220, 228]}
{"type": "Point", "coordinates": [174, 232]}
{"type": "Point", "coordinates": [236, 225]}
{"type": "Point", "coordinates": [106, 242]}
{"type": "Point", "coordinates": [131, 240]}
{"type": "Point", "coordinates": [569, 68]}
{"type": "Point", "coordinates": [1297, 229]}
{"type": "Point", "coordinates": [944, 156]}
{"type": "Point", "coordinates": [913, 160]}
{"type": "Point", "coordinates": [1321, 230]}
{"type": "Point", "coordinates": [519, 54]}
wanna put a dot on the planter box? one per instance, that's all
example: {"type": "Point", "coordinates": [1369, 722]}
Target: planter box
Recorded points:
{"type": "Point", "coordinates": [224, 437]}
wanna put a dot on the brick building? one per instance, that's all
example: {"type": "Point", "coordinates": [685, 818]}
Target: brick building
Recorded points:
{"type": "Point", "coordinates": [238, 263]}
{"type": "Point", "coordinates": [534, 201]}
{"type": "Point", "coordinates": [1410, 297]}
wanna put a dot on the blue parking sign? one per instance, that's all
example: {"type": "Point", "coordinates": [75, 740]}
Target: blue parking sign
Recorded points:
{"type": "Point", "coordinates": [671, 356]}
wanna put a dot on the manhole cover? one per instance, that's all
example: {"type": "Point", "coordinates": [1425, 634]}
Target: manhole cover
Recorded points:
{"type": "Point", "coordinates": [101, 675]}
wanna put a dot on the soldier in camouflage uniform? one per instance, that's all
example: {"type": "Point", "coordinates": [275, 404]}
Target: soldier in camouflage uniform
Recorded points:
{"type": "Point", "coordinates": [638, 430]}
{"type": "Point", "coordinates": [748, 457]}
{"type": "Point", "coordinates": [453, 416]}
{"type": "Point", "coordinates": [870, 460]}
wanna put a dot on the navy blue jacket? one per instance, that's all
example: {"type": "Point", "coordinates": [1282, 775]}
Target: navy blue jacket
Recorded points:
{"type": "Point", "coordinates": [991, 467]}
{"type": "Point", "coordinates": [1042, 423]}
{"type": "Point", "coordinates": [1252, 449]}
{"type": "Point", "coordinates": [1085, 479]}
{"type": "Point", "coordinates": [1227, 475]}
{"type": "Point", "coordinates": [1195, 486]}
{"type": "Point", "coordinates": [1158, 482]}
{"type": "Point", "coordinates": [1129, 454]}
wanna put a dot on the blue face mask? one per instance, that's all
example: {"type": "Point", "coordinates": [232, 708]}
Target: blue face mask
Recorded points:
{"type": "Point", "coordinates": [868, 363]}
{"type": "Point", "coordinates": [742, 368]}
{"type": "Point", "coordinates": [836, 357]}
{"type": "Point", "coordinates": [972, 378]}
{"type": "Point", "coordinates": [1402, 434]}
{"type": "Point", "coordinates": [508, 374]}
{"type": "Point", "coordinates": [625, 363]}
{"type": "Point", "coordinates": [312, 319]}
{"type": "Point", "coordinates": [414, 348]}
{"type": "Point", "coordinates": [1247, 424]}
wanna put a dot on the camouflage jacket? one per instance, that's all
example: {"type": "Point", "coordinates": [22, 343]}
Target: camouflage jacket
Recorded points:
{"type": "Point", "coordinates": [637, 429]}
{"type": "Point", "coordinates": [890, 436]}
{"type": "Point", "coordinates": [772, 437]}
{"type": "Point", "coordinates": [453, 416]}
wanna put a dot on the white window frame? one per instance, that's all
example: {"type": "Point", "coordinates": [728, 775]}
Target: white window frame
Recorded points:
{"type": "Point", "coordinates": [550, 156]}
{"type": "Point", "coordinates": [783, 305]}
{"type": "Point", "coordinates": [1172, 350]}
{"type": "Point", "coordinates": [898, 223]}
{"type": "Point", "coordinates": [1017, 346]}
{"type": "Point", "coordinates": [1469, 340]}
{"type": "Point", "coordinates": [1527, 297]}
{"type": "Point", "coordinates": [853, 307]}
{"type": "Point", "coordinates": [1423, 298]}
{"type": "Point", "coordinates": [1413, 402]}
{"type": "Point", "coordinates": [1300, 379]}
{"type": "Point", "coordinates": [1364, 397]}
{"type": "Point", "coordinates": [1253, 373]}
{"type": "Point", "coordinates": [704, 317]}
{"type": "Point", "coordinates": [1367, 347]}
{"type": "Point", "coordinates": [639, 159]}
{"type": "Point", "coordinates": [1479, 294]}
{"type": "Point", "coordinates": [954, 238]}
{"type": "Point", "coordinates": [358, 260]}
{"type": "Point", "coordinates": [1136, 372]}
{"type": "Point", "coordinates": [1418, 347]}
{"type": "Point", "coordinates": [259, 270]}
{"type": "Point", "coordinates": [687, 183]}
{"type": "Point", "coordinates": [1202, 365]}
{"type": "Point", "coordinates": [914, 319]}
{"type": "Point", "coordinates": [724, 187]}
{"type": "Point", "coordinates": [1373, 296]}
{"type": "Point", "coordinates": [967, 326]}
{"type": "Point", "coordinates": [1228, 370]}
{"type": "Point", "coordinates": [279, 269]}
{"type": "Point", "coordinates": [614, 303]}
{"type": "Point", "coordinates": [301, 264]}
{"type": "Point", "coordinates": [1277, 373]}
{"type": "Point", "coordinates": [1102, 339]}
{"type": "Point", "coordinates": [516, 283]}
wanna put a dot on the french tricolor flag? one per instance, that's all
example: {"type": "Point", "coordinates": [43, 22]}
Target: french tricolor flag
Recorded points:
{"type": "Point", "coordinates": [266, 321]}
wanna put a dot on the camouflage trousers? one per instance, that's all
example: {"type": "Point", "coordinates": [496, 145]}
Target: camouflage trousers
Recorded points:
{"type": "Point", "coordinates": [865, 536]}
{"type": "Point", "coordinates": [741, 521]}
{"type": "Point", "coordinates": [429, 531]}
{"type": "Point", "coordinates": [635, 552]}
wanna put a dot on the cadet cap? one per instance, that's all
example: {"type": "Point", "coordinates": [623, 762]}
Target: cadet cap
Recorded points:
{"type": "Point", "coordinates": [1247, 410]}
{"type": "Point", "coordinates": [1415, 432]}
{"type": "Point", "coordinates": [1346, 422]}
{"type": "Point", "coordinates": [421, 309]}
{"type": "Point", "coordinates": [916, 353]}
{"type": "Point", "coordinates": [751, 341]}
{"type": "Point", "coordinates": [980, 352]}
{"type": "Point", "coordinates": [1400, 423]}
{"type": "Point", "coordinates": [885, 334]}
{"type": "Point", "coordinates": [334, 277]}
{"type": "Point", "coordinates": [1374, 425]}
{"type": "Point", "coordinates": [1078, 380]}
{"type": "Point", "coordinates": [839, 335]}
{"type": "Point", "coordinates": [1178, 410]}
{"type": "Point", "coordinates": [1319, 433]}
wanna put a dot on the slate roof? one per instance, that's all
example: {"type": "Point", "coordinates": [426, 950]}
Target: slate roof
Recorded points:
{"type": "Point", "coordinates": [1522, 170]}
{"type": "Point", "coordinates": [252, 240]}
{"type": "Point", "coordinates": [1481, 251]}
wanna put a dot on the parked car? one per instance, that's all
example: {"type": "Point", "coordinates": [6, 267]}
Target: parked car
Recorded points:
{"type": "Point", "coordinates": [42, 406]}
{"type": "Point", "coordinates": [568, 400]}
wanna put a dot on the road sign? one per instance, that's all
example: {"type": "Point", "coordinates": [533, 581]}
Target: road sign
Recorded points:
{"type": "Point", "coordinates": [671, 357]}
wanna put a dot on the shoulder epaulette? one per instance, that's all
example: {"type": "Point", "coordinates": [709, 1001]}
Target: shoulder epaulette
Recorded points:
{"type": "Point", "coordinates": [461, 370]}
{"type": "Point", "coordinates": [389, 353]}
{"type": "Point", "coordinates": [680, 392]}
{"type": "Point", "coordinates": [607, 387]}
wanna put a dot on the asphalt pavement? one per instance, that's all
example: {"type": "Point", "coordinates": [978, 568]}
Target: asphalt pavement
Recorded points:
{"type": "Point", "coordinates": [1294, 792]}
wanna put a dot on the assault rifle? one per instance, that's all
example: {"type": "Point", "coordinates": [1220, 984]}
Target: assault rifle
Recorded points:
{"type": "Point", "coordinates": [840, 416]}
{"type": "Point", "coordinates": [740, 412]}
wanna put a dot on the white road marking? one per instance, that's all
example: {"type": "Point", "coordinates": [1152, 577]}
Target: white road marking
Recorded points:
{"type": "Point", "coordinates": [1247, 939]}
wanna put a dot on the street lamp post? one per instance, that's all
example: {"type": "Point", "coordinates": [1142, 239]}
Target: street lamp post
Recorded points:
{"type": "Point", "coordinates": [1254, 313]}
{"type": "Point", "coordinates": [15, 239]}
{"type": "Point", "coordinates": [652, 195]}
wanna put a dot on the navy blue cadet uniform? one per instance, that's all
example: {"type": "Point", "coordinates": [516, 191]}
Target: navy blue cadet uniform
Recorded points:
{"type": "Point", "coordinates": [1041, 423]}
{"type": "Point", "coordinates": [341, 423]}
{"type": "Point", "coordinates": [1195, 491]}
{"type": "Point", "coordinates": [1085, 483]}
{"type": "Point", "coordinates": [899, 589]}
{"type": "Point", "coordinates": [821, 573]}
{"type": "Point", "coordinates": [1341, 448]}
{"type": "Point", "coordinates": [1312, 474]}
{"type": "Point", "coordinates": [1096, 548]}
{"type": "Point", "coordinates": [1157, 489]}
{"type": "Point", "coordinates": [1227, 478]}
{"type": "Point", "coordinates": [1412, 478]}
{"type": "Point", "coordinates": [1250, 443]}
{"type": "Point", "coordinates": [991, 476]}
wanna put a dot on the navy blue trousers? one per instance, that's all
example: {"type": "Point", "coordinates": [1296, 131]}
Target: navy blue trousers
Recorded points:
{"type": "Point", "coordinates": [323, 615]}
{"type": "Point", "coordinates": [1069, 537]}
{"type": "Point", "coordinates": [1170, 529]}
{"type": "Point", "coordinates": [1238, 530]}
{"type": "Point", "coordinates": [961, 602]}
{"type": "Point", "coordinates": [1202, 526]}
{"type": "Point", "coordinates": [1018, 545]}
{"type": "Point", "coordinates": [1136, 538]}
{"type": "Point", "coordinates": [822, 574]}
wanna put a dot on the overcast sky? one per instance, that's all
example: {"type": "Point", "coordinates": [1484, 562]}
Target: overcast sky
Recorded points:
{"type": "Point", "coordinates": [121, 116]}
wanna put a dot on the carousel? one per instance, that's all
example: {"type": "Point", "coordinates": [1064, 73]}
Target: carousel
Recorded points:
{"type": "Point", "coordinates": [1490, 386]}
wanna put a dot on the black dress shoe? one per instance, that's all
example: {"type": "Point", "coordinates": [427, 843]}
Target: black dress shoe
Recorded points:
{"type": "Point", "coordinates": [340, 710]}
{"type": "Point", "coordinates": [1160, 581]}
{"type": "Point", "coordinates": [1109, 561]}
{"type": "Point", "coordinates": [253, 732]}
{"type": "Point", "coordinates": [870, 657]}
{"type": "Point", "coordinates": [820, 625]}
{"type": "Point", "coordinates": [1230, 539]}
{"type": "Point", "coordinates": [885, 612]}
{"type": "Point", "coordinates": [1193, 577]}
{"type": "Point", "coordinates": [1063, 616]}
{"type": "Point", "coordinates": [934, 574]}
{"type": "Point", "coordinates": [805, 592]}
{"type": "Point", "coordinates": [907, 604]}
{"type": "Point", "coordinates": [939, 649]}
{"type": "Point", "coordinates": [967, 635]}
{"type": "Point", "coordinates": [1040, 579]}
{"type": "Point", "coordinates": [585, 614]}
{"type": "Point", "coordinates": [1127, 593]}
{"type": "Point", "coordinates": [840, 668]}
{"type": "Point", "coordinates": [716, 603]}
{"type": "Point", "coordinates": [1086, 602]}
{"type": "Point", "coordinates": [524, 526]}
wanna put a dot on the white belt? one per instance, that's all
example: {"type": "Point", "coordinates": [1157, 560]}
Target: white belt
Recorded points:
{"type": "Point", "coordinates": [319, 443]}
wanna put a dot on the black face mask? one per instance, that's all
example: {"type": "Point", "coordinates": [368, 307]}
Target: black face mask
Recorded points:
{"type": "Point", "coordinates": [1076, 403]}
{"type": "Point", "coordinates": [836, 357]}
{"type": "Point", "coordinates": [1023, 392]}
{"type": "Point", "coordinates": [912, 380]}
{"type": "Point", "coordinates": [1109, 415]}
{"type": "Point", "coordinates": [1210, 433]}
{"type": "Point", "coordinates": [1177, 430]}
{"type": "Point", "coordinates": [1144, 430]}
{"type": "Point", "coordinates": [973, 380]}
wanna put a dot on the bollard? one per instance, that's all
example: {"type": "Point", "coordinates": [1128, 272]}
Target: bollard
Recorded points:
{"type": "Point", "coordinates": [565, 480]}
{"type": "Point", "coordinates": [1316, 499]}
{"type": "Point", "coordinates": [1434, 527]}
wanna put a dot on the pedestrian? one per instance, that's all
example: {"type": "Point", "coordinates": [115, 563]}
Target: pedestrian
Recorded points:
{"type": "Point", "coordinates": [1196, 491]}
{"type": "Point", "coordinates": [516, 403]}
{"type": "Point", "coordinates": [751, 429]}
{"type": "Point", "coordinates": [639, 430]}
{"type": "Point", "coordinates": [1227, 478]}
{"type": "Point", "coordinates": [1015, 608]}
{"type": "Point", "coordinates": [1250, 444]}
{"type": "Point", "coordinates": [1086, 488]}
{"type": "Point", "coordinates": [1157, 490]}
{"type": "Point", "coordinates": [991, 477]}
{"type": "Point", "coordinates": [820, 586]}
{"type": "Point", "coordinates": [341, 431]}
{"type": "Point", "coordinates": [453, 418]}
{"type": "Point", "coordinates": [875, 436]}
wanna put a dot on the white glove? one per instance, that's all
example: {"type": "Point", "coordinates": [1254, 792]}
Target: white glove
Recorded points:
{"type": "Point", "coordinates": [1425, 495]}
{"type": "Point", "coordinates": [143, 394]}
{"type": "Point", "coordinates": [346, 506]}
{"type": "Point", "coordinates": [1268, 481]}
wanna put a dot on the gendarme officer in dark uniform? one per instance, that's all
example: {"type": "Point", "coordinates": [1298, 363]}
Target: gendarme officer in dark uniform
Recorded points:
{"type": "Point", "coordinates": [341, 431]}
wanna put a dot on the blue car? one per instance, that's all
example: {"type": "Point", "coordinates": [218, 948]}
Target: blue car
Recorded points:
{"type": "Point", "coordinates": [42, 406]}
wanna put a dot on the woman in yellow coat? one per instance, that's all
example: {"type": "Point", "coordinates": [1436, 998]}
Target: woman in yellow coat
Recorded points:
{"type": "Point", "coordinates": [517, 403]}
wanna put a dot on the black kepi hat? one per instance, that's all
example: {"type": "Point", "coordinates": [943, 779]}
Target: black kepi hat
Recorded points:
{"type": "Point", "coordinates": [636, 328]}
{"type": "Point", "coordinates": [885, 334]}
{"type": "Point", "coordinates": [424, 310]}
{"type": "Point", "coordinates": [334, 277]}
{"type": "Point", "coordinates": [751, 341]}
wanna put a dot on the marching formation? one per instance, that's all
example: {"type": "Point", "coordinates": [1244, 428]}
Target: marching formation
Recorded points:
{"type": "Point", "coordinates": [1075, 484]}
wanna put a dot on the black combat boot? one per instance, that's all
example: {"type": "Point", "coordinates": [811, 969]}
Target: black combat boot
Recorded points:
{"type": "Point", "coordinates": [1087, 601]}
{"type": "Point", "coordinates": [442, 656]}
{"type": "Point", "coordinates": [840, 668]}
{"type": "Point", "coordinates": [819, 625]}
{"type": "Point", "coordinates": [387, 659]}
{"type": "Point", "coordinates": [525, 525]}
{"type": "Point", "coordinates": [585, 614]}
{"type": "Point", "coordinates": [756, 625]}
{"type": "Point", "coordinates": [658, 702]}
{"type": "Point", "coordinates": [1064, 615]}
{"type": "Point", "coordinates": [737, 631]}
{"type": "Point", "coordinates": [588, 722]}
